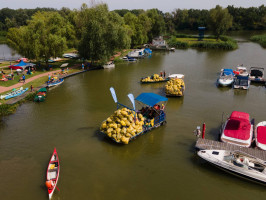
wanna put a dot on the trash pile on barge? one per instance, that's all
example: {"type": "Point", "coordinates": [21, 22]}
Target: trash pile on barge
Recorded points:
{"type": "Point", "coordinates": [175, 87]}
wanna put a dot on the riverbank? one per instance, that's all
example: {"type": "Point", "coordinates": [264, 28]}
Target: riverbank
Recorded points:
{"type": "Point", "coordinates": [261, 39]}
{"type": "Point", "coordinates": [8, 107]}
{"type": "Point", "coordinates": [182, 41]}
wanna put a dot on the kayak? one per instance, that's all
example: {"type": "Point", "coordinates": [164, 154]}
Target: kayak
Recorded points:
{"type": "Point", "coordinates": [52, 173]}
{"type": "Point", "coordinates": [16, 93]}
{"type": "Point", "coordinates": [14, 90]}
{"type": "Point", "coordinates": [41, 95]}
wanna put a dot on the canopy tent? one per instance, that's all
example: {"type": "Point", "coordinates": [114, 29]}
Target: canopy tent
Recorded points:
{"type": "Point", "coordinates": [228, 72]}
{"type": "Point", "coordinates": [150, 99]}
{"type": "Point", "coordinates": [21, 65]}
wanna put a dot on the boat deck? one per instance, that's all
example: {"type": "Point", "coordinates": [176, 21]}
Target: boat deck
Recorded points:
{"type": "Point", "coordinates": [211, 144]}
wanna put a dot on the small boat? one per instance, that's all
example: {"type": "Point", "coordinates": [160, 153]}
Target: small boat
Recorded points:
{"type": "Point", "coordinates": [241, 82]}
{"type": "Point", "coordinates": [41, 95]}
{"type": "Point", "coordinates": [55, 83]}
{"type": "Point", "coordinates": [16, 93]}
{"type": "Point", "coordinates": [237, 163]}
{"type": "Point", "coordinates": [260, 135]}
{"type": "Point", "coordinates": [241, 71]}
{"type": "Point", "coordinates": [226, 77]}
{"type": "Point", "coordinates": [52, 174]}
{"type": "Point", "coordinates": [238, 129]}
{"type": "Point", "coordinates": [10, 93]}
{"type": "Point", "coordinates": [175, 87]}
{"type": "Point", "coordinates": [256, 74]}
{"type": "Point", "coordinates": [109, 65]}
{"type": "Point", "coordinates": [129, 59]}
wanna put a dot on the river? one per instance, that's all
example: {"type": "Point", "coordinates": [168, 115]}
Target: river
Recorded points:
{"type": "Point", "coordinates": [159, 165]}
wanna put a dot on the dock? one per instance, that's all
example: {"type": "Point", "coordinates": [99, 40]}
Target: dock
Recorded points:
{"type": "Point", "coordinates": [202, 144]}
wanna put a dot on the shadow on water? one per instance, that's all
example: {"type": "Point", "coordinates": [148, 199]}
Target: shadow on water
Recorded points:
{"type": "Point", "coordinates": [240, 92]}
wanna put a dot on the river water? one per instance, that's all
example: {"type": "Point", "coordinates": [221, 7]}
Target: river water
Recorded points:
{"type": "Point", "coordinates": [159, 165]}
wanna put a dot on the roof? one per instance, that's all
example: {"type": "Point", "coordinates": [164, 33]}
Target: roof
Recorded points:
{"type": "Point", "coordinates": [228, 72]}
{"type": "Point", "coordinates": [150, 99]}
{"type": "Point", "coordinates": [21, 63]}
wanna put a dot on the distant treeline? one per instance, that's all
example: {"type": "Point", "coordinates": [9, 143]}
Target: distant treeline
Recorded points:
{"type": "Point", "coordinates": [253, 18]}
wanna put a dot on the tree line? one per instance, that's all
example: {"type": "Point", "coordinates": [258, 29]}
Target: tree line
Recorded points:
{"type": "Point", "coordinates": [97, 33]}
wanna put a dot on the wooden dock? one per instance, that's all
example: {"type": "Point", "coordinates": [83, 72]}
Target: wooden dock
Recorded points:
{"type": "Point", "coordinates": [211, 144]}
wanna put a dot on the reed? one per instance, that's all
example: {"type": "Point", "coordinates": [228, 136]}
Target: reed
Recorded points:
{"type": "Point", "coordinates": [261, 39]}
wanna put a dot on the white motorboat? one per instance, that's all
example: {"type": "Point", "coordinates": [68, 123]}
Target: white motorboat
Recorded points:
{"type": "Point", "coordinates": [241, 82]}
{"type": "Point", "coordinates": [256, 74]}
{"type": "Point", "coordinates": [226, 77]}
{"type": "Point", "coordinates": [237, 163]}
{"type": "Point", "coordinates": [260, 135]}
{"type": "Point", "coordinates": [176, 76]}
{"type": "Point", "coordinates": [109, 65]}
{"type": "Point", "coordinates": [238, 129]}
{"type": "Point", "coordinates": [241, 71]}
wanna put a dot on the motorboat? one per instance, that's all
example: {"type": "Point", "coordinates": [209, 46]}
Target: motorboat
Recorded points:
{"type": "Point", "coordinates": [241, 71]}
{"type": "Point", "coordinates": [52, 173]}
{"type": "Point", "coordinates": [109, 65]}
{"type": "Point", "coordinates": [238, 129]}
{"type": "Point", "coordinates": [129, 59]}
{"type": "Point", "coordinates": [138, 53]}
{"type": "Point", "coordinates": [226, 77]}
{"type": "Point", "coordinates": [241, 82]}
{"type": "Point", "coordinates": [176, 76]}
{"type": "Point", "coordinates": [256, 74]}
{"type": "Point", "coordinates": [237, 163]}
{"type": "Point", "coordinates": [260, 135]}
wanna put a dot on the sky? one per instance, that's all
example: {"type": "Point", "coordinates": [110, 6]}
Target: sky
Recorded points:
{"type": "Point", "coordinates": [163, 5]}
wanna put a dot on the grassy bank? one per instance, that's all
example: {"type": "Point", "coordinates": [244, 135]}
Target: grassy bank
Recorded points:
{"type": "Point", "coordinates": [261, 39]}
{"type": "Point", "coordinates": [210, 42]}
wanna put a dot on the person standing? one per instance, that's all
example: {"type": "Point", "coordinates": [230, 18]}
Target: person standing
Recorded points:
{"type": "Point", "coordinates": [164, 74]}
{"type": "Point", "coordinates": [49, 77]}
{"type": "Point", "coordinates": [31, 88]}
{"type": "Point", "coordinates": [23, 78]}
{"type": "Point", "coordinates": [82, 66]}
{"type": "Point", "coordinates": [12, 75]}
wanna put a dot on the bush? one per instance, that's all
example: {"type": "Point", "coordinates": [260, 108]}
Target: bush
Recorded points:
{"type": "Point", "coordinates": [261, 39]}
{"type": "Point", "coordinates": [6, 109]}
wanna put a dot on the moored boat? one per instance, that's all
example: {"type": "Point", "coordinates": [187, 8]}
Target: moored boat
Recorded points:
{"type": "Point", "coordinates": [14, 90]}
{"type": "Point", "coordinates": [109, 65]}
{"type": "Point", "coordinates": [16, 93]}
{"type": "Point", "coordinates": [260, 135]}
{"type": "Point", "coordinates": [52, 173]}
{"type": "Point", "coordinates": [241, 82]}
{"type": "Point", "coordinates": [175, 87]}
{"type": "Point", "coordinates": [238, 129]}
{"type": "Point", "coordinates": [41, 95]}
{"type": "Point", "coordinates": [226, 77]}
{"type": "Point", "coordinates": [256, 74]}
{"type": "Point", "coordinates": [237, 163]}
{"type": "Point", "coordinates": [55, 83]}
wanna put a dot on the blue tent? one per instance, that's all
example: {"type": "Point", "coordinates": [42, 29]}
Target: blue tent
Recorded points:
{"type": "Point", "coordinates": [21, 64]}
{"type": "Point", "coordinates": [150, 99]}
{"type": "Point", "coordinates": [228, 72]}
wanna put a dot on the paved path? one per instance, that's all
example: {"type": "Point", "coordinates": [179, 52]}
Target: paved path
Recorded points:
{"type": "Point", "coordinates": [4, 89]}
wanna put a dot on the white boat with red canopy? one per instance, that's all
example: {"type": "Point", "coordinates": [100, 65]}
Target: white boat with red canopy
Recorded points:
{"type": "Point", "coordinates": [237, 129]}
{"type": "Point", "coordinates": [52, 174]}
{"type": "Point", "coordinates": [260, 135]}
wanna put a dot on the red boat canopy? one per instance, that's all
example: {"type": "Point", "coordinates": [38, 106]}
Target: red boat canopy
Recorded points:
{"type": "Point", "coordinates": [239, 115]}
{"type": "Point", "coordinates": [261, 133]}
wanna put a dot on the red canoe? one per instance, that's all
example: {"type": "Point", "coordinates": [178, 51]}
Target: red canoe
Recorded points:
{"type": "Point", "coordinates": [238, 130]}
{"type": "Point", "coordinates": [52, 173]}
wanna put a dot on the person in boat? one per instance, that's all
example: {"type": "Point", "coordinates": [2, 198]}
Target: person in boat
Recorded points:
{"type": "Point", "coordinates": [162, 108]}
{"type": "Point", "coordinates": [164, 74]}
{"type": "Point", "coordinates": [161, 74]}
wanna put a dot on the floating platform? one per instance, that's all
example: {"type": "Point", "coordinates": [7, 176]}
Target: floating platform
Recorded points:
{"type": "Point", "coordinates": [202, 144]}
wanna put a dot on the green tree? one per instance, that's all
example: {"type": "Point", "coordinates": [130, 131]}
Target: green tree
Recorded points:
{"type": "Point", "coordinates": [44, 37]}
{"type": "Point", "coordinates": [157, 23]}
{"type": "Point", "coordinates": [220, 21]}
{"type": "Point", "coordinates": [102, 32]}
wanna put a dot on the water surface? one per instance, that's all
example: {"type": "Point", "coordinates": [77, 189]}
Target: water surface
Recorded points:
{"type": "Point", "coordinates": [159, 165]}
